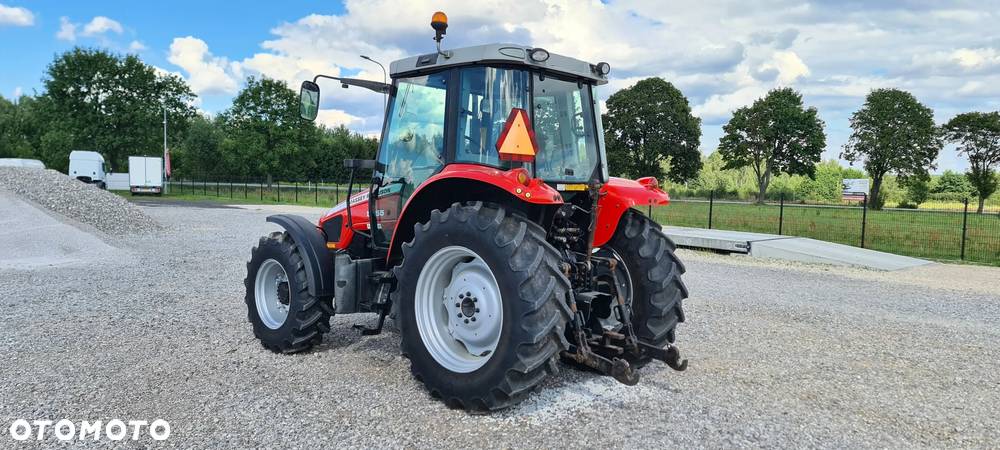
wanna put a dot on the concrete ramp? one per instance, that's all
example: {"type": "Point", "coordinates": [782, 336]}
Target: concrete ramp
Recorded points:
{"type": "Point", "coordinates": [789, 248]}
{"type": "Point", "coordinates": [31, 238]}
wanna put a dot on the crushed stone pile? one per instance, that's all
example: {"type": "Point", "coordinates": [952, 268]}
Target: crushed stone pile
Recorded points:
{"type": "Point", "coordinates": [76, 200]}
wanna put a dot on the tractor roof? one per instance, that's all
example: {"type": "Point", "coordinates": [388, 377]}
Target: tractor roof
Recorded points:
{"type": "Point", "coordinates": [505, 54]}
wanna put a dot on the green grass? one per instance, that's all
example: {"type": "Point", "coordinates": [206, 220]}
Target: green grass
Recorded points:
{"type": "Point", "coordinates": [924, 234]}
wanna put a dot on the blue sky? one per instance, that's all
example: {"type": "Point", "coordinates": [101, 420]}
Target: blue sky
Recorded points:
{"type": "Point", "coordinates": [722, 54]}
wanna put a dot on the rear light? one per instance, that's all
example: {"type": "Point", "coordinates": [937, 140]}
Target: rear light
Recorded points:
{"type": "Point", "coordinates": [522, 176]}
{"type": "Point", "coordinates": [649, 182]}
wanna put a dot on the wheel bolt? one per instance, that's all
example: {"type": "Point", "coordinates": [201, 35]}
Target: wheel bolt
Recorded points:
{"type": "Point", "coordinates": [468, 294]}
{"type": "Point", "coordinates": [458, 305]}
{"type": "Point", "coordinates": [473, 319]}
{"type": "Point", "coordinates": [459, 315]}
{"type": "Point", "coordinates": [477, 309]}
{"type": "Point", "coordinates": [474, 299]}
{"type": "Point", "coordinates": [467, 320]}
{"type": "Point", "coordinates": [461, 295]}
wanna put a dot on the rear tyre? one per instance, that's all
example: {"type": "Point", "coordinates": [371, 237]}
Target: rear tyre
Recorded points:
{"type": "Point", "coordinates": [284, 316]}
{"type": "Point", "coordinates": [482, 306]}
{"type": "Point", "coordinates": [655, 276]}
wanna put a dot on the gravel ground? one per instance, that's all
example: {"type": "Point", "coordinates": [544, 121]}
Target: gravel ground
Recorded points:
{"type": "Point", "coordinates": [782, 355]}
{"type": "Point", "coordinates": [76, 200]}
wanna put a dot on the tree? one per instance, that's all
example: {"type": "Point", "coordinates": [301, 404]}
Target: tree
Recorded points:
{"type": "Point", "coordinates": [264, 125]}
{"type": "Point", "coordinates": [776, 134]}
{"type": "Point", "coordinates": [892, 132]}
{"type": "Point", "coordinates": [96, 100]}
{"type": "Point", "coordinates": [951, 182]}
{"type": "Point", "coordinates": [649, 125]}
{"type": "Point", "coordinates": [978, 137]}
{"type": "Point", "coordinates": [917, 190]}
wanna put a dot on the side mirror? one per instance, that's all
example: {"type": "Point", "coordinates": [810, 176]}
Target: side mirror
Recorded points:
{"type": "Point", "coordinates": [309, 100]}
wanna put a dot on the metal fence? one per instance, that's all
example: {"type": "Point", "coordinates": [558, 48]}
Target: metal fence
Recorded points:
{"type": "Point", "coordinates": [943, 234]}
{"type": "Point", "coordinates": [316, 192]}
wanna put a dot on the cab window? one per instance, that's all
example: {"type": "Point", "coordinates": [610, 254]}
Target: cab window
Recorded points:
{"type": "Point", "coordinates": [486, 97]}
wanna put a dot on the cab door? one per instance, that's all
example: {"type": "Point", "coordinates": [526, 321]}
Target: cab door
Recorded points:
{"type": "Point", "coordinates": [413, 144]}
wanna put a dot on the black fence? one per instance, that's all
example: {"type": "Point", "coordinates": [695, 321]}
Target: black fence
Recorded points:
{"type": "Point", "coordinates": [307, 192]}
{"type": "Point", "coordinates": [958, 232]}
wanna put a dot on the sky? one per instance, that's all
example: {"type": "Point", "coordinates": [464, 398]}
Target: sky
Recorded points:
{"type": "Point", "coordinates": [721, 54]}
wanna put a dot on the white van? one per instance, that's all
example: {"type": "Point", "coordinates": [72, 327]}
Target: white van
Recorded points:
{"type": "Point", "coordinates": [20, 162]}
{"type": "Point", "coordinates": [88, 167]}
{"type": "Point", "coordinates": [145, 175]}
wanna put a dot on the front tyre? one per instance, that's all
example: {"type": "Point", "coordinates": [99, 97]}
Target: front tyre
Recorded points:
{"type": "Point", "coordinates": [284, 316]}
{"type": "Point", "coordinates": [482, 306]}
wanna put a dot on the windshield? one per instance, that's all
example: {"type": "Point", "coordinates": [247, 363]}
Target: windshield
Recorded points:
{"type": "Point", "coordinates": [563, 120]}
{"type": "Point", "coordinates": [564, 129]}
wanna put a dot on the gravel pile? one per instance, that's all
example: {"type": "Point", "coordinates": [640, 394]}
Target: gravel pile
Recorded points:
{"type": "Point", "coordinates": [78, 201]}
{"type": "Point", "coordinates": [780, 355]}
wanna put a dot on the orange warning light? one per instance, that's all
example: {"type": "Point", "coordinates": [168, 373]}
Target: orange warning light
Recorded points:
{"type": "Point", "coordinates": [517, 141]}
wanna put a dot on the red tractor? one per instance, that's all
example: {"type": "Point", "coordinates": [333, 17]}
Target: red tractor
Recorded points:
{"type": "Point", "coordinates": [490, 233]}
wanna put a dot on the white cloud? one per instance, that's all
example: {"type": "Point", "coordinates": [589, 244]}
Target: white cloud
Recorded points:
{"type": "Point", "coordinates": [100, 25]}
{"type": "Point", "coordinates": [136, 47]}
{"type": "Point", "coordinates": [334, 117]}
{"type": "Point", "coordinates": [67, 30]}
{"type": "Point", "coordinates": [97, 27]}
{"type": "Point", "coordinates": [16, 16]}
{"type": "Point", "coordinates": [206, 73]}
{"type": "Point", "coordinates": [722, 54]}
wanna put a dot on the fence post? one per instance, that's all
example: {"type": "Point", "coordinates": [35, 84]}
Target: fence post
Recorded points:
{"type": "Point", "coordinates": [711, 204]}
{"type": "Point", "coordinates": [965, 223]}
{"type": "Point", "coordinates": [316, 194]}
{"type": "Point", "coordinates": [781, 214]}
{"type": "Point", "coordinates": [864, 220]}
{"type": "Point", "coordinates": [296, 191]}
{"type": "Point", "coordinates": [230, 187]}
{"type": "Point", "coordinates": [204, 185]}
{"type": "Point", "coordinates": [217, 191]}
{"type": "Point", "coordinates": [336, 193]}
{"type": "Point", "coordinates": [279, 190]}
{"type": "Point", "coordinates": [245, 187]}
{"type": "Point", "coordinates": [262, 190]}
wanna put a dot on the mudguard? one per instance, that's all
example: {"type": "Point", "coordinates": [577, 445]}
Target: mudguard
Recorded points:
{"type": "Point", "coordinates": [620, 194]}
{"type": "Point", "coordinates": [312, 246]}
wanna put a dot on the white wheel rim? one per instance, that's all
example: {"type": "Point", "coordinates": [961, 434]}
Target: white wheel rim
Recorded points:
{"type": "Point", "coordinates": [271, 307]}
{"type": "Point", "coordinates": [459, 309]}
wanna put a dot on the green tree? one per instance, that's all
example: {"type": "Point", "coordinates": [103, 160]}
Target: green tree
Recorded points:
{"type": "Point", "coordinates": [96, 100]}
{"type": "Point", "coordinates": [892, 133]}
{"type": "Point", "coordinates": [649, 124]}
{"type": "Point", "coordinates": [951, 182]}
{"type": "Point", "coordinates": [978, 137]}
{"type": "Point", "coordinates": [264, 129]}
{"type": "Point", "coordinates": [917, 190]}
{"type": "Point", "coordinates": [775, 135]}
{"type": "Point", "coordinates": [200, 153]}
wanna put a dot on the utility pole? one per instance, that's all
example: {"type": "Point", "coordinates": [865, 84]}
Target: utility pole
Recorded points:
{"type": "Point", "coordinates": [163, 162]}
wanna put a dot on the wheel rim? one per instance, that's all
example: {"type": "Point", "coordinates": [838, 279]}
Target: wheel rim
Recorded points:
{"type": "Point", "coordinates": [272, 294]}
{"type": "Point", "coordinates": [624, 286]}
{"type": "Point", "coordinates": [459, 309]}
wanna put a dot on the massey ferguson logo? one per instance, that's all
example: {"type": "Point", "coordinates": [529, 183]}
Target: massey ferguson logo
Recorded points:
{"type": "Point", "coordinates": [67, 430]}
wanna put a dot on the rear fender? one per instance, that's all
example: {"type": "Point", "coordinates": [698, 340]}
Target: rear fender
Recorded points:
{"type": "Point", "coordinates": [620, 194]}
{"type": "Point", "coordinates": [312, 246]}
{"type": "Point", "coordinates": [459, 183]}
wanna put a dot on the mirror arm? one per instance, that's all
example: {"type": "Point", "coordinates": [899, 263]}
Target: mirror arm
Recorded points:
{"type": "Point", "coordinates": [381, 88]}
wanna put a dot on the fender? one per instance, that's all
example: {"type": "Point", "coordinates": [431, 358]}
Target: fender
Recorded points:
{"type": "Point", "coordinates": [312, 246]}
{"type": "Point", "coordinates": [620, 194]}
{"type": "Point", "coordinates": [464, 182]}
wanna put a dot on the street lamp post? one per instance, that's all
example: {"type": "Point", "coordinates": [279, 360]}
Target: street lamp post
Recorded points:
{"type": "Point", "coordinates": [385, 77]}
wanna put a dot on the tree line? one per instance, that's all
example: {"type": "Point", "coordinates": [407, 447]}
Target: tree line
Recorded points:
{"type": "Point", "coordinates": [97, 100]}
{"type": "Point", "coordinates": [650, 130]}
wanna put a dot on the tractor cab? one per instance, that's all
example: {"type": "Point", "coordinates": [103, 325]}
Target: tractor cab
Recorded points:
{"type": "Point", "coordinates": [490, 230]}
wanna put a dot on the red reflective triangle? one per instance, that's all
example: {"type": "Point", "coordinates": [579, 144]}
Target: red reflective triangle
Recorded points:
{"type": "Point", "coordinates": [517, 141]}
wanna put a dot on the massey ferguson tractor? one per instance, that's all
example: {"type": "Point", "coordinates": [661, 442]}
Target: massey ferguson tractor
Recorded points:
{"type": "Point", "coordinates": [490, 233]}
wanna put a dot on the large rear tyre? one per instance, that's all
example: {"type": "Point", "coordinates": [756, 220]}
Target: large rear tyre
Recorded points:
{"type": "Point", "coordinates": [654, 278]}
{"type": "Point", "coordinates": [482, 306]}
{"type": "Point", "coordinates": [284, 316]}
